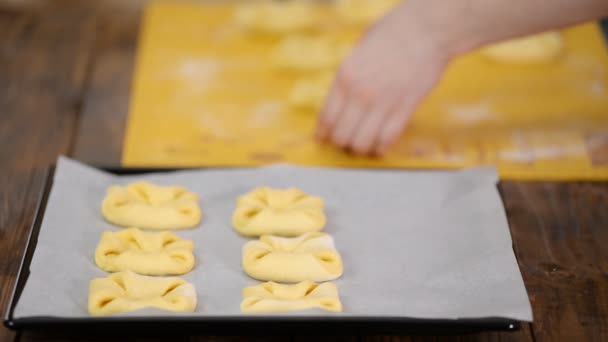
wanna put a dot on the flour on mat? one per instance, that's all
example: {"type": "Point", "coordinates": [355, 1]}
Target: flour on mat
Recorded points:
{"type": "Point", "coordinates": [198, 70]}
{"type": "Point", "coordinates": [471, 113]}
{"type": "Point", "coordinates": [265, 114]}
{"type": "Point", "coordinates": [210, 123]}
{"type": "Point", "coordinates": [546, 152]}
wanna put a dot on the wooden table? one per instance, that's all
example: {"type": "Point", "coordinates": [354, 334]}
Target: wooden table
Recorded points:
{"type": "Point", "coordinates": [65, 73]}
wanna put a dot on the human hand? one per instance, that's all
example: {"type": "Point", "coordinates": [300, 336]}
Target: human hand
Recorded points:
{"type": "Point", "coordinates": [377, 88]}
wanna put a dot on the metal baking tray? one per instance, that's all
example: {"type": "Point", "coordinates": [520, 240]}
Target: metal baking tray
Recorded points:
{"type": "Point", "coordinates": [227, 325]}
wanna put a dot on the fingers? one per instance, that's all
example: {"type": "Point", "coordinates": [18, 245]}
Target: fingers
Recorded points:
{"type": "Point", "coordinates": [394, 125]}
{"type": "Point", "coordinates": [331, 111]}
{"type": "Point", "coordinates": [365, 138]}
{"type": "Point", "coordinates": [341, 114]}
{"type": "Point", "coordinates": [367, 129]}
{"type": "Point", "coordinates": [366, 110]}
{"type": "Point", "coordinates": [344, 111]}
{"type": "Point", "coordinates": [348, 123]}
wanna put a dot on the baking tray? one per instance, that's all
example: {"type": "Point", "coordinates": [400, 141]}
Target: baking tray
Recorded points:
{"type": "Point", "coordinates": [229, 324]}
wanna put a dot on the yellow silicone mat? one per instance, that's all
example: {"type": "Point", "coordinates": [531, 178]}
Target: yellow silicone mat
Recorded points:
{"type": "Point", "coordinates": [205, 93]}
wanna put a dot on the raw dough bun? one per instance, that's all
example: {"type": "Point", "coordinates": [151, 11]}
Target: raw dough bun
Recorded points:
{"type": "Point", "coordinates": [148, 206]}
{"type": "Point", "coordinates": [364, 11]}
{"type": "Point", "coordinates": [276, 17]}
{"type": "Point", "coordinates": [273, 297]}
{"type": "Point", "coordinates": [540, 48]}
{"type": "Point", "coordinates": [131, 249]}
{"type": "Point", "coordinates": [306, 53]}
{"type": "Point", "coordinates": [127, 291]}
{"type": "Point", "coordinates": [311, 256]}
{"type": "Point", "coordinates": [288, 212]}
{"type": "Point", "coordinates": [311, 92]}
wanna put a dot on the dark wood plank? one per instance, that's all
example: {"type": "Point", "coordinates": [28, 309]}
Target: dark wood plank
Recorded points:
{"type": "Point", "coordinates": [12, 25]}
{"type": "Point", "coordinates": [523, 335]}
{"type": "Point", "coordinates": [102, 123]}
{"type": "Point", "coordinates": [44, 54]}
{"type": "Point", "coordinates": [6, 284]}
{"type": "Point", "coordinates": [115, 337]}
{"type": "Point", "coordinates": [560, 232]}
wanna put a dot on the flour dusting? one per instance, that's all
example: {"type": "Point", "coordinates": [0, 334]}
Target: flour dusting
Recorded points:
{"type": "Point", "coordinates": [471, 113]}
{"type": "Point", "coordinates": [198, 70]}
{"type": "Point", "coordinates": [266, 114]}
{"type": "Point", "coordinates": [215, 127]}
{"type": "Point", "coordinates": [547, 152]}
{"type": "Point", "coordinates": [598, 88]}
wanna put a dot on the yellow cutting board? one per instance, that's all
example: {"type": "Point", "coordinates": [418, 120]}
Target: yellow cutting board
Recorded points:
{"type": "Point", "coordinates": [205, 93]}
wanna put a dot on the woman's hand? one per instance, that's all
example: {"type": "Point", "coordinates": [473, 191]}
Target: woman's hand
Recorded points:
{"type": "Point", "coordinates": [377, 88]}
{"type": "Point", "coordinates": [399, 61]}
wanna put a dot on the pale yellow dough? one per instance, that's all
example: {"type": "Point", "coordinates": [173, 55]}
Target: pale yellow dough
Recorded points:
{"type": "Point", "coordinates": [288, 212]}
{"type": "Point", "coordinates": [148, 206]}
{"type": "Point", "coordinates": [309, 53]}
{"type": "Point", "coordinates": [127, 291]}
{"type": "Point", "coordinates": [162, 253]}
{"type": "Point", "coordinates": [310, 93]}
{"type": "Point", "coordinates": [311, 256]}
{"type": "Point", "coordinates": [540, 48]}
{"type": "Point", "coordinates": [273, 297]}
{"type": "Point", "coordinates": [364, 11]}
{"type": "Point", "coordinates": [276, 17]}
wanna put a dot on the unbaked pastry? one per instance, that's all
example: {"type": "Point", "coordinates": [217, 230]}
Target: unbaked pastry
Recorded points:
{"type": "Point", "coordinates": [364, 11]}
{"type": "Point", "coordinates": [162, 253]}
{"type": "Point", "coordinates": [311, 256]}
{"type": "Point", "coordinates": [273, 297]}
{"type": "Point", "coordinates": [288, 212]}
{"type": "Point", "coordinates": [127, 291]}
{"type": "Point", "coordinates": [276, 17]}
{"type": "Point", "coordinates": [148, 206]}
{"type": "Point", "coordinates": [539, 48]}
{"type": "Point", "coordinates": [310, 93]}
{"type": "Point", "coordinates": [308, 53]}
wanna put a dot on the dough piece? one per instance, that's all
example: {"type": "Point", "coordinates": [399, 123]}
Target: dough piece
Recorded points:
{"type": "Point", "coordinates": [162, 253]}
{"type": "Point", "coordinates": [127, 291]}
{"type": "Point", "coordinates": [540, 48]}
{"type": "Point", "coordinates": [150, 206]}
{"type": "Point", "coordinates": [273, 297]}
{"type": "Point", "coordinates": [307, 54]}
{"type": "Point", "coordinates": [276, 17]}
{"type": "Point", "coordinates": [288, 212]}
{"type": "Point", "coordinates": [364, 11]}
{"type": "Point", "coordinates": [311, 256]}
{"type": "Point", "coordinates": [311, 92]}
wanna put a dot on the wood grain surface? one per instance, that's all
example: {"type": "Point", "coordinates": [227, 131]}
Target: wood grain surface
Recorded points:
{"type": "Point", "coordinates": [65, 73]}
{"type": "Point", "coordinates": [43, 65]}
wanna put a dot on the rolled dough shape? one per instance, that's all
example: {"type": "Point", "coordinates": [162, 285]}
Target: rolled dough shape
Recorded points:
{"type": "Point", "coordinates": [540, 48]}
{"type": "Point", "coordinates": [308, 53]}
{"type": "Point", "coordinates": [288, 212]}
{"type": "Point", "coordinates": [127, 291]}
{"type": "Point", "coordinates": [311, 256]}
{"type": "Point", "coordinates": [274, 297]}
{"type": "Point", "coordinates": [162, 253]}
{"type": "Point", "coordinates": [276, 17]}
{"type": "Point", "coordinates": [364, 11]}
{"type": "Point", "coordinates": [148, 206]}
{"type": "Point", "coordinates": [309, 93]}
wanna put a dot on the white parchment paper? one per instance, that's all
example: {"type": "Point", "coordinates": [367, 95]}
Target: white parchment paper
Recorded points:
{"type": "Point", "coordinates": [414, 244]}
